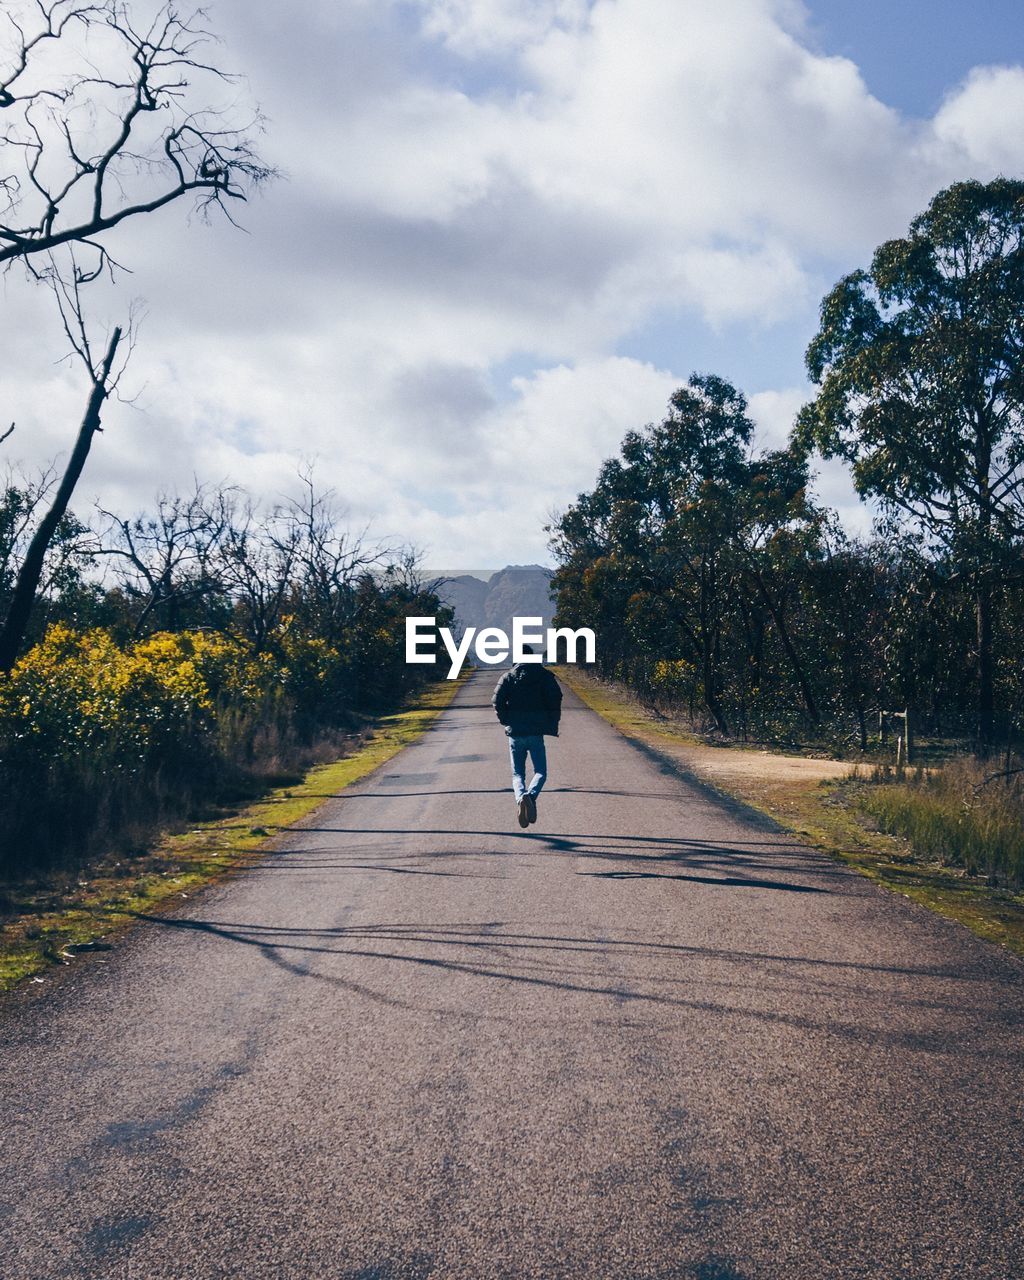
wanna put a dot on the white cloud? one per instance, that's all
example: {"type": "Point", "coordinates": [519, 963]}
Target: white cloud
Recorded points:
{"type": "Point", "coordinates": [981, 120]}
{"type": "Point", "coordinates": [567, 420]}
{"type": "Point", "coordinates": [536, 452]}
{"type": "Point", "coordinates": [774, 412]}
{"type": "Point", "coordinates": [472, 27]}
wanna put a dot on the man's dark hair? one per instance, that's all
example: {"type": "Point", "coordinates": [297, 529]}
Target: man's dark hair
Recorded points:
{"type": "Point", "coordinates": [527, 648]}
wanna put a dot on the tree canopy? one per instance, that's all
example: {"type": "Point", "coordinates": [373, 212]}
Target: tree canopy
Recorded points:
{"type": "Point", "coordinates": [921, 388]}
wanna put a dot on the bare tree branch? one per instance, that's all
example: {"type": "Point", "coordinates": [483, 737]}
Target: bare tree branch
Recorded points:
{"type": "Point", "coordinates": [169, 562]}
{"type": "Point", "coordinates": [83, 151]}
{"type": "Point", "coordinates": [55, 18]}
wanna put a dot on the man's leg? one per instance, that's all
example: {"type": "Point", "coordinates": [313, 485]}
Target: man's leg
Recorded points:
{"type": "Point", "coordinates": [517, 749]}
{"type": "Point", "coordinates": [539, 760]}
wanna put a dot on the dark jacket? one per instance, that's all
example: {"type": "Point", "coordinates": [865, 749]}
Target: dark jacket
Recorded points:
{"type": "Point", "coordinates": [528, 699]}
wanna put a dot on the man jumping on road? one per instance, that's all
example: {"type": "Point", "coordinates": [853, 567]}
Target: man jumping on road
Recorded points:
{"type": "Point", "coordinates": [528, 701]}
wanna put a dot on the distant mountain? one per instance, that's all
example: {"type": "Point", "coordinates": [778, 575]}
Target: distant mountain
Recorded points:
{"type": "Point", "coordinates": [468, 597]}
{"type": "Point", "coordinates": [517, 591]}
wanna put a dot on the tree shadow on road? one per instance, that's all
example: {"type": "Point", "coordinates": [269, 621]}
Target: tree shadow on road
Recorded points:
{"type": "Point", "coordinates": [736, 881]}
{"type": "Point", "coordinates": [754, 864]}
{"type": "Point", "coordinates": [749, 987]}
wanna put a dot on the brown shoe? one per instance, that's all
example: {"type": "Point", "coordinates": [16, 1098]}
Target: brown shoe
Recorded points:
{"type": "Point", "coordinates": [524, 812]}
{"type": "Point", "coordinates": [531, 808]}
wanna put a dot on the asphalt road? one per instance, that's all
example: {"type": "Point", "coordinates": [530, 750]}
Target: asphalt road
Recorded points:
{"type": "Point", "coordinates": [649, 1038]}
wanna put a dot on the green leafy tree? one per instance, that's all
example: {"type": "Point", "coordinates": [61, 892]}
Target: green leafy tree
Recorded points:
{"type": "Point", "coordinates": [681, 555]}
{"type": "Point", "coordinates": [918, 361]}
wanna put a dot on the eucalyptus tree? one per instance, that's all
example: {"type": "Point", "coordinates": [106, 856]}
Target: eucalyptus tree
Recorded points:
{"type": "Point", "coordinates": [918, 361]}
{"type": "Point", "coordinates": [686, 538]}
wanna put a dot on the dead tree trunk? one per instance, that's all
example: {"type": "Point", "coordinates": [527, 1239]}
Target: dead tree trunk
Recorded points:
{"type": "Point", "coordinates": [12, 634]}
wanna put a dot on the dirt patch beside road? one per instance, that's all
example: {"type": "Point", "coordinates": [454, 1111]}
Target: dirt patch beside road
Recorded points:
{"type": "Point", "coordinates": [727, 763]}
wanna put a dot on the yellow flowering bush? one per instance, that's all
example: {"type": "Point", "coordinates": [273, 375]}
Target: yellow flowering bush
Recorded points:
{"type": "Point", "coordinates": [228, 668]}
{"type": "Point", "coordinates": [80, 691]}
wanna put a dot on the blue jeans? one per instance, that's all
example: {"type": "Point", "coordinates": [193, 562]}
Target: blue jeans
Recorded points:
{"type": "Point", "coordinates": [518, 748]}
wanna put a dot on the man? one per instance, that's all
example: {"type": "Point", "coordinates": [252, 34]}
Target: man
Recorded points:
{"type": "Point", "coordinates": [528, 702]}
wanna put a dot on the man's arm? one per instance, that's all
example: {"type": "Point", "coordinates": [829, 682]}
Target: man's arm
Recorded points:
{"type": "Point", "coordinates": [500, 700]}
{"type": "Point", "coordinates": [553, 697]}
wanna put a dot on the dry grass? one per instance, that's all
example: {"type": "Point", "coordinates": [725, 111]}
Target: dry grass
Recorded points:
{"type": "Point", "coordinates": [961, 815]}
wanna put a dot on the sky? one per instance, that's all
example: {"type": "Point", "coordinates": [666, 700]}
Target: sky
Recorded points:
{"type": "Point", "coordinates": [505, 232]}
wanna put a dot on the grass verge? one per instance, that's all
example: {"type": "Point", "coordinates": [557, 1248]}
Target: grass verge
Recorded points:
{"type": "Point", "coordinates": [823, 803]}
{"type": "Point", "coordinates": [47, 927]}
